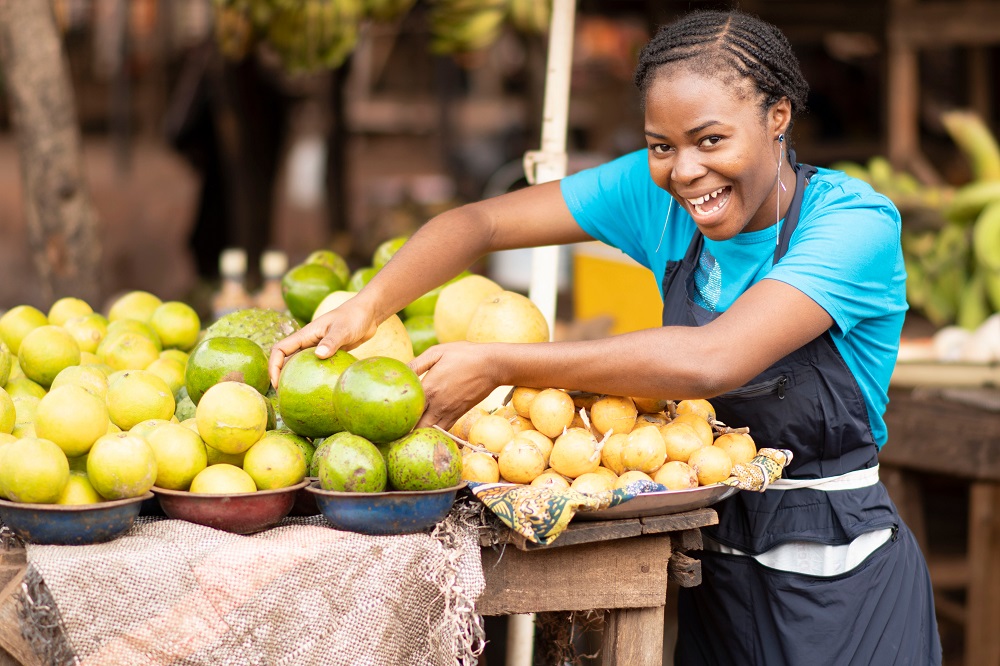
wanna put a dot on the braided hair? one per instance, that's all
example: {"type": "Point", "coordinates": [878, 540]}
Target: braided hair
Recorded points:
{"type": "Point", "coordinates": [733, 45]}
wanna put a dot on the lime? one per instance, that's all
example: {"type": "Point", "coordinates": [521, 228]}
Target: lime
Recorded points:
{"type": "Point", "coordinates": [305, 392]}
{"type": "Point", "coordinates": [383, 253]}
{"type": "Point", "coordinates": [421, 332]}
{"type": "Point", "coordinates": [360, 278]}
{"type": "Point", "coordinates": [170, 371]}
{"type": "Point", "coordinates": [6, 364]}
{"type": "Point", "coordinates": [331, 260]}
{"type": "Point", "coordinates": [34, 470]}
{"type": "Point", "coordinates": [24, 386]}
{"type": "Point", "coordinates": [225, 359]}
{"type": "Point", "coordinates": [145, 428]}
{"type": "Point", "coordinates": [217, 457]}
{"type": "Point", "coordinates": [177, 324]}
{"type": "Point", "coordinates": [354, 465]}
{"type": "Point", "coordinates": [45, 351]}
{"type": "Point", "coordinates": [8, 414]}
{"type": "Point", "coordinates": [134, 326]}
{"type": "Point", "coordinates": [18, 322]}
{"type": "Point", "coordinates": [175, 355]}
{"type": "Point", "coordinates": [137, 395]}
{"type": "Point", "coordinates": [127, 350]}
{"type": "Point", "coordinates": [223, 479]}
{"type": "Point", "coordinates": [67, 308]}
{"type": "Point", "coordinates": [121, 465]}
{"type": "Point", "coordinates": [275, 462]}
{"type": "Point", "coordinates": [378, 398]}
{"type": "Point", "coordinates": [305, 285]}
{"type": "Point", "coordinates": [307, 447]}
{"type": "Point", "coordinates": [426, 459]}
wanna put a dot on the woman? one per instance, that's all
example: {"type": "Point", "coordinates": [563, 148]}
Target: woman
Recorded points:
{"type": "Point", "coordinates": [784, 296]}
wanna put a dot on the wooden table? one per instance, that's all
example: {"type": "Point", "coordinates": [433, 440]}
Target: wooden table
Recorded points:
{"type": "Point", "coordinates": [619, 565]}
{"type": "Point", "coordinates": [953, 432]}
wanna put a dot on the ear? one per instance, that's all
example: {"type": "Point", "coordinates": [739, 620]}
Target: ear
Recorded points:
{"type": "Point", "coordinates": [779, 117]}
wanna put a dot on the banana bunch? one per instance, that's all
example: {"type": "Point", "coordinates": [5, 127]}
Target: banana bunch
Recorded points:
{"type": "Point", "coordinates": [462, 26]}
{"type": "Point", "coordinates": [951, 236]}
{"type": "Point", "coordinates": [234, 29]}
{"type": "Point", "coordinates": [387, 10]}
{"type": "Point", "coordinates": [309, 35]}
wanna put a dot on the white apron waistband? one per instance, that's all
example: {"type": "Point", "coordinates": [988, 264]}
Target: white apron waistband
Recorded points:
{"type": "Point", "coordinates": [859, 478]}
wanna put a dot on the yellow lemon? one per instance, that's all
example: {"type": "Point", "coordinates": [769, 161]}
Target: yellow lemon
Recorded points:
{"type": "Point", "coordinates": [78, 490]}
{"type": "Point", "coordinates": [275, 462]}
{"type": "Point", "coordinates": [34, 471]}
{"type": "Point", "coordinates": [128, 351]}
{"type": "Point", "coordinates": [24, 386]}
{"type": "Point", "coordinates": [88, 377]}
{"type": "Point", "coordinates": [176, 355]}
{"type": "Point", "coordinates": [67, 308]}
{"type": "Point", "coordinates": [234, 417]}
{"type": "Point", "coordinates": [137, 395]}
{"type": "Point", "coordinates": [8, 414]}
{"type": "Point", "coordinates": [88, 330]}
{"type": "Point", "coordinates": [170, 371]}
{"type": "Point", "coordinates": [134, 326]}
{"type": "Point", "coordinates": [145, 428]}
{"type": "Point", "coordinates": [45, 351]}
{"type": "Point", "coordinates": [121, 466]}
{"type": "Point", "coordinates": [134, 305]}
{"type": "Point", "coordinates": [223, 479]}
{"type": "Point", "coordinates": [18, 322]}
{"type": "Point", "coordinates": [180, 455]}
{"type": "Point", "coordinates": [72, 418]}
{"type": "Point", "coordinates": [177, 324]}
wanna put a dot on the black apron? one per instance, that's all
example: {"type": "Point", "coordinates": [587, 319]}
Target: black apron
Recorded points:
{"type": "Point", "coordinates": [880, 612]}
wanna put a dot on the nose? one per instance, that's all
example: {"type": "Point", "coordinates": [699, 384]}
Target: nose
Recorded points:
{"type": "Point", "coordinates": [687, 167]}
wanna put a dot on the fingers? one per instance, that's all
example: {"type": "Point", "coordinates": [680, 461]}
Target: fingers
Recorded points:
{"type": "Point", "coordinates": [425, 361]}
{"type": "Point", "coordinates": [301, 339]}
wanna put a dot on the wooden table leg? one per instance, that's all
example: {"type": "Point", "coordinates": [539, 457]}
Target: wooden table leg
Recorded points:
{"type": "Point", "coordinates": [982, 640]}
{"type": "Point", "coordinates": [633, 637]}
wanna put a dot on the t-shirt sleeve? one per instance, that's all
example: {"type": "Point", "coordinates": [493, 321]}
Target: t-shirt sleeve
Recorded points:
{"type": "Point", "coordinates": [619, 204]}
{"type": "Point", "coordinates": [848, 259]}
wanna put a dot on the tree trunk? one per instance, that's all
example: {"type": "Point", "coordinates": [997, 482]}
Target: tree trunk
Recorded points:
{"type": "Point", "coordinates": [62, 223]}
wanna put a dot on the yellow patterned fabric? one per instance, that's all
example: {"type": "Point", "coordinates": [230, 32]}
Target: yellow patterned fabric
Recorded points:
{"type": "Point", "coordinates": [762, 471]}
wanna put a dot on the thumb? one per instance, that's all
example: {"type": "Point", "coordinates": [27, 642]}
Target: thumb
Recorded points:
{"type": "Point", "coordinates": [425, 361]}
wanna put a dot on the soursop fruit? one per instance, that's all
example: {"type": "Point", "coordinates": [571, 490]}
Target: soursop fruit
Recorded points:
{"type": "Point", "coordinates": [265, 327]}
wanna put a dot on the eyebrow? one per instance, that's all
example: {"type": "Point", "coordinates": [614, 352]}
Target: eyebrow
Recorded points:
{"type": "Point", "coordinates": [693, 130]}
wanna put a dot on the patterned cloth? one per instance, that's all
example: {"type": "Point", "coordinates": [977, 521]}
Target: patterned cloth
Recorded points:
{"type": "Point", "coordinates": [541, 514]}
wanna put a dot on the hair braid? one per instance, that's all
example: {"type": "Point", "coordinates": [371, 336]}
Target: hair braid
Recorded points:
{"type": "Point", "coordinates": [744, 44]}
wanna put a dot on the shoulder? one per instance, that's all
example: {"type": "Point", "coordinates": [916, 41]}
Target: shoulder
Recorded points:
{"type": "Point", "coordinates": [834, 194]}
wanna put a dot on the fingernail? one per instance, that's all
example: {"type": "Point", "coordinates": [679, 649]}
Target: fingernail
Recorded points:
{"type": "Point", "coordinates": [322, 349]}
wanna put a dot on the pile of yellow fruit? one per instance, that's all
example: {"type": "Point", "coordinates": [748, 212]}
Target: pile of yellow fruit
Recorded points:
{"type": "Point", "coordinates": [594, 443]}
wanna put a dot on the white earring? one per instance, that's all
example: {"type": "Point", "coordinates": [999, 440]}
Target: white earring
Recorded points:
{"type": "Point", "coordinates": [781, 186]}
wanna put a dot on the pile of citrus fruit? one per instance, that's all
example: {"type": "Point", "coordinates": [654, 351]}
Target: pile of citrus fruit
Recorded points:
{"type": "Point", "coordinates": [594, 443]}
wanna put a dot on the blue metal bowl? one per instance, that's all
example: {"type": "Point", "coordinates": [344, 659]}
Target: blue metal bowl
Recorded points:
{"type": "Point", "coordinates": [69, 524]}
{"type": "Point", "coordinates": [394, 512]}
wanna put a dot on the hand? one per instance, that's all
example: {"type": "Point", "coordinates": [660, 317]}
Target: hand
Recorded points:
{"type": "Point", "coordinates": [344, 327]}
{"type": "Point", "coordinates": [458, 377]}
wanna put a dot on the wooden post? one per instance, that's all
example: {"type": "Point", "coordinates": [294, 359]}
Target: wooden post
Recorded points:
{"type": "Point", "coordinates": [902, 97]}
{"type": "Point", "coordinates": [982, 640]}
{"type": "Point", "coordinates": [633, 637]}
{"type": "Point", "coordinates": [62, 224]}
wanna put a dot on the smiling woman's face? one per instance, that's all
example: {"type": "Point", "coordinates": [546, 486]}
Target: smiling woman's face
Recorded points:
{"type": "Point", "coordinates": [714, 151]}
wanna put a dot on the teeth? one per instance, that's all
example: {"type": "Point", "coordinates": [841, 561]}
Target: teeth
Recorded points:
{"type": "Point", "coordinates": [702, 199]}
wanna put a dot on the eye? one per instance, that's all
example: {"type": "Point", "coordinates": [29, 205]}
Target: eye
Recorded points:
{"type": "Point", "coordinates": [710, 141]}
{"type": "Point", "coordinates": [660, 149]}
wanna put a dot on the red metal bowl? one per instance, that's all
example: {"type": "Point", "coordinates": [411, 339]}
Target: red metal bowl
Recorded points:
{"type": "Point", "coordinates": [244, 513]}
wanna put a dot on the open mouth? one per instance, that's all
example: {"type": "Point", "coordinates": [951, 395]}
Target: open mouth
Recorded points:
{"type": "Point", "coordinates": [711, 202]}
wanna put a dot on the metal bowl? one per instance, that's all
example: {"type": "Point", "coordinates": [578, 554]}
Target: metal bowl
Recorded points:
{"type": "Point", "coordinates": [662, 503]}
{"type": "Point", "coordinates": [71, 524]}
{"type": "Point", "coordinates": [244, 513]}
{"type": "Point", "coordinates": [393, 512]}
{"type": "Point", "coordinates": [305, 501]}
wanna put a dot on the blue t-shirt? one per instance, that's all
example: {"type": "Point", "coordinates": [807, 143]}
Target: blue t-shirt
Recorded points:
{"type": "Point", "coordinates": [845, 254]}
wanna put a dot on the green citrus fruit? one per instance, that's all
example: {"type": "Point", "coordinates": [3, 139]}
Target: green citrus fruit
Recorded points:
{"type": "Point", "coordinates": [384, 252]}
{"type": "Point", "coordinates": [426, 459]}
{"type": "Point", "coordinates": [360, 278]}
{"type": "Point", "coordinates": [223, 479]}
{"type": "Point", "coordinates": [307, 447]}
{"type": "Point", "coordinates": [121, 465]}
{"type": "Point", "coordinates": [331, 260]}
{"type": "Point", "coordinates": [145, 428]}
{"type": "Point", "coordinates": [225, 359]}
{"type": "Point", "coordinates": [305, 392]}
{"type": "Point", "coordinates": [134, 326]}
{"type": "Point", "coordinates": [180, 455]}
{"type": "Point", "coordinates": [137, 395]}
{"type": "Point", "coordinates": [127, 350]}
{"type": "Point", "coordinates": [6, 363]}
{"type": "Point", "coordinates": [8, 413]}
{"type": "Point", "coordinates": [216, 457]}
{"type": "Point", "coordinates": [67, 308]}
{"type": "Point", "coordinates": [45, 351]}
{"type": "Point", "coordinates": [421, 332]}
{"type": "Point", "coordinates": [34, 470]}
{"type": "Point", "coordinates": [353, 465]}
{"type": "Point", "coordinates": [71, 417]}
{"type": "Point", "coordinates": [170, 371]}
{"type": "Point", "coordinates": [88, 377]}
{"type": "Point", "coordinates": [18, 322]}
{"type": "Point", "coordinates": [275, 462]}
{"type": "Point", "coordinates": [305, 285]}
{"type": "Point", "coordinates": [24, 386]}
{"type": "Point", "coordinates": [88, 330]}
{"type": "Point", "coordinates": [378, 398]}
